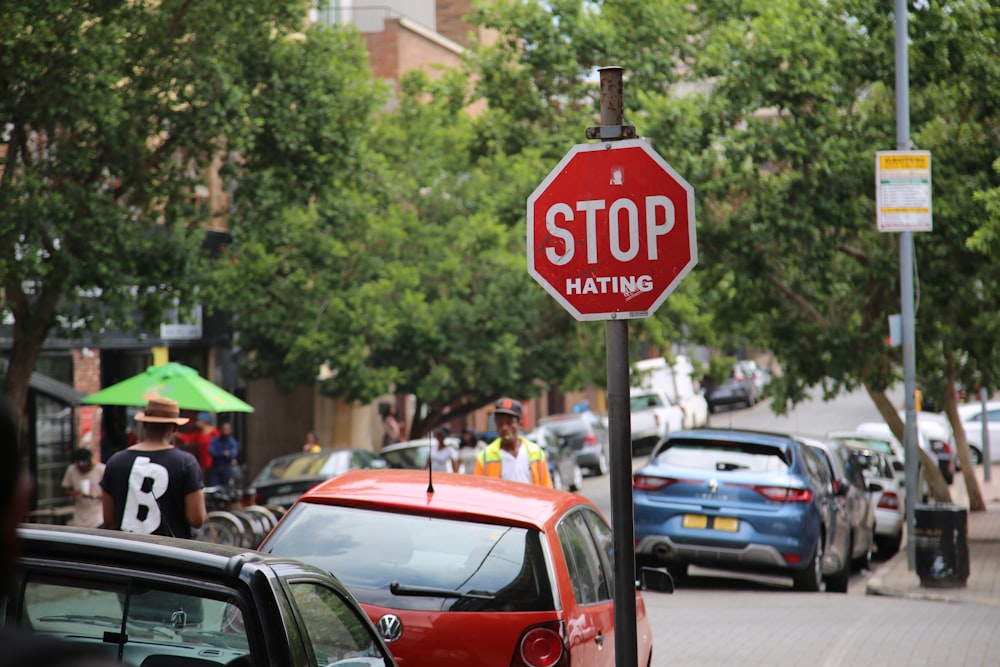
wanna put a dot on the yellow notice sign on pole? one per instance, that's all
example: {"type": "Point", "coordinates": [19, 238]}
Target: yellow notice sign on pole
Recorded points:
{"type": "Point", "coordinates": [903, 191]}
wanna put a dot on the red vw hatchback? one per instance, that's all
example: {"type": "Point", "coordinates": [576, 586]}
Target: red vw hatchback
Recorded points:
{"type": "Point", "coordinates": [471, 571]}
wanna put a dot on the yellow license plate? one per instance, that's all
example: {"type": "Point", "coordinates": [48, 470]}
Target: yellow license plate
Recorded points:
{"type": "Point", "coordinates": [726, 523]}
{"type": "Point", "coordinates": [695, 521]}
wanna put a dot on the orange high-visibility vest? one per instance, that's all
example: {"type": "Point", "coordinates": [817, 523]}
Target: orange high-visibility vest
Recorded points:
{"type": "Point", "coordinates": [489, 463]}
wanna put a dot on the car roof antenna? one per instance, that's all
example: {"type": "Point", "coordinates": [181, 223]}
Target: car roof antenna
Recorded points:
{"type": "Point", "coordinates": [430, 464]}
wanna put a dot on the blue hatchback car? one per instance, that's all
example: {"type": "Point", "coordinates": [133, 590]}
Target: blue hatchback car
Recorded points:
{"type": "Point", "coordinates": [742, 501]}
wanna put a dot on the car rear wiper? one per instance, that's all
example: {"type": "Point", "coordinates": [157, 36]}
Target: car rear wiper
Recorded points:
{"type": "Point", "coordinates": [397, 588]}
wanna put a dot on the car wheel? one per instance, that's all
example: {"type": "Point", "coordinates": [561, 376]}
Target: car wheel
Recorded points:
{"type": "Point", "coordinates": [602, 463]}
{"type": "Point", "coordinates": [888, 545]}
{"type": "Point", "coordinates": [809, 578]}
{"type": "Point", "coordinates": [577, 483]}
{"type": "Point", "coordinates": [837, 583]}
{"type": "Point", "coordinates": [864, 561]}
{"type": "Point", "coordinates": [977, 455]}
{"type": "Point", "coordinates": [557, 481]}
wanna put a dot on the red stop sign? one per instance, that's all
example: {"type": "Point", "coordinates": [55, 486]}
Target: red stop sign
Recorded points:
{"type": "Point", "coordinates": [611, 231]}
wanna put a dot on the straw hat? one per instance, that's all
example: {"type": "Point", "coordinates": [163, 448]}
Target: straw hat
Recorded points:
{"type": "Point", "coordinates": [161, 410]}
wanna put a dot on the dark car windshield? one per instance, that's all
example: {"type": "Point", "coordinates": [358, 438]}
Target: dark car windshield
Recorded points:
{"type": "Point", "coordinates": [418, 562]}
{"type": "Point", "coordinates": [326, 463]}
{"type": "Point", "coordinates": [411, 456]}
{"type": "Point", "coordinates": [719, 455]}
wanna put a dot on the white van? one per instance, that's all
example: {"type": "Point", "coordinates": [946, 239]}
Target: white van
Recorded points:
{"type": "Point", "coordinates": [676, 383]}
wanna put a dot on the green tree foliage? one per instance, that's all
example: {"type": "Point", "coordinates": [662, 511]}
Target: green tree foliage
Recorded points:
{"type": "Point", "coordinates": [111, 114]}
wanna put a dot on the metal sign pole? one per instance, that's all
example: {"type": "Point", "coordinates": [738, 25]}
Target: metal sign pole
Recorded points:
{"type": "Point", "coordinates": [987, 458]}
{"type": "Point", "coordinates": [906, 289]}
{"type": "Point", "coordinates": [620, 423]}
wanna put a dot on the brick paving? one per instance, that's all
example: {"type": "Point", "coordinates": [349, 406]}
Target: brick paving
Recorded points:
{"type": "Point", "coordinates": [896, 579]}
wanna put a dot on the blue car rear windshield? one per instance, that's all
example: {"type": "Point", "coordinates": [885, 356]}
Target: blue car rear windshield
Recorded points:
{"type": "Point", "coordinates": [725, 456]}
{"type": "Point", "coordinates": [388, 559]}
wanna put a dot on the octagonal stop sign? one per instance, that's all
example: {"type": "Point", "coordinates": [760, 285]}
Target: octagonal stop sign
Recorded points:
{"type": "Point", "coordinates": [611, 231]}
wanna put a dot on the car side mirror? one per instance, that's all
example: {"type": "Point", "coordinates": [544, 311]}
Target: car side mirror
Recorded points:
{"type": "Point", "coordinates": [655, 579]}
{"type": "Point", "coordinates": [898, 466]}
{"type": "Point", "coordinates": [875, 486]}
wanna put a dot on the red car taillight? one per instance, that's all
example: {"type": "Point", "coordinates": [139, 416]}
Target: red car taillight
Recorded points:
{"type": "Point", "coordinates": [784, 494]}
{"type": "Point", "coordinates": [590, 439]}
{"type": "Point", "coordinates": [543, 645]}
{"type": "Point", "coordinates": [644, 483]}
{"type": "Point", "coordinates": [889, 501]}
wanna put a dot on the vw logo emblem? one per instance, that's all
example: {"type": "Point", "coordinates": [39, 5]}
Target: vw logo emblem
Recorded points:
{"type": "Point", "coordinates": [390, 627]}
{"type": "Point", "coordinates": [713, 485]}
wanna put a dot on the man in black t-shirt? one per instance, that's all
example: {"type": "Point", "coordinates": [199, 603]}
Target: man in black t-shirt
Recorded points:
{"type": "Point", "coordinates": [152, 487]}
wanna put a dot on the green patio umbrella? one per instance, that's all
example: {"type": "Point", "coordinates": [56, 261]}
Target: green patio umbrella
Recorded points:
{"type": "Point", "coordinates": [171, 380]}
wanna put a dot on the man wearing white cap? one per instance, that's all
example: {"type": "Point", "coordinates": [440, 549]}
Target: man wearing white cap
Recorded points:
{"type": "Point", "coordinates": [152, 487]}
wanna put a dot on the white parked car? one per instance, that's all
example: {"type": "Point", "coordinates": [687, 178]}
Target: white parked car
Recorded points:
{"type": "Point", "coordinates": [971, 415]}
{"type": "Point", "coordinates": [878, 436]}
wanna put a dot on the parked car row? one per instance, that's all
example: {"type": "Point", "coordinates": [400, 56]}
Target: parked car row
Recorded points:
{"type": "Point", "coordinates": [371, 568]}
{"type": "Point", "coordinates": [755, 502]}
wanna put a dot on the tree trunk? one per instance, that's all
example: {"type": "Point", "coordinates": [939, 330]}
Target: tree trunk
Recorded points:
{"type": "Point", "coordinates": [929, 467]}
{"type": "Point", "coordinates": [24, 352]}
{"type": "Point", "coordinates": [976, 503]}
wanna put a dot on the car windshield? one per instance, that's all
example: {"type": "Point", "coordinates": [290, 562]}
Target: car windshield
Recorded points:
{"type": "Point", "coordinates": [418, 562]}
{"type": "Point", "coordinates": [414, 456]}
{"type": "Point", "coordinates": [724, 456]}
{"type": "Point", "coordinates": [566, 427]}
{"type": "Point", "coordinates": [643, 401]}
{"type": "Point", "coordinates": [874, 464]}
{"type": "Point", "coordinates": [875, 444]}
{"type": "Point", "coordinates": [327, 463]}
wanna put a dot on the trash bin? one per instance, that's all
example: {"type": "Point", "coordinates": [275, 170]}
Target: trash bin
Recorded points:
{"type": "Point", "coordinates": [941, 544]}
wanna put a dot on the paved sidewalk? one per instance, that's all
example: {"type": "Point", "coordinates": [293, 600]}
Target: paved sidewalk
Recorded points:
{"type": "Point", "coordinates": [894, 578]}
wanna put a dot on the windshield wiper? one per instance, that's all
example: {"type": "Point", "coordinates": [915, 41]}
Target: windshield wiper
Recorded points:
{"type": "Point", "coordinates": [397, 588]}
{"type": "Point", "coordinates": [83, 618]}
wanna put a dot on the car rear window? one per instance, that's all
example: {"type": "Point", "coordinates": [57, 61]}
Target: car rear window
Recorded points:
{"type": "Point", "coordinates": [148, 622]}
{"type": "Point", "coordinates": [418, 562]}
{"type": "Point", "coordinates": [724, 456]}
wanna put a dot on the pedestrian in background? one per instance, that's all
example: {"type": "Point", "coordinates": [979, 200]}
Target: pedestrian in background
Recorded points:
{"type": "Point", "coordinates": [443, 457]}
{"type": "Point", "coordinates": [223, 449]}
{"type": "Point", "coordinates": [468, 447]}
{"type": "Point", "coordinates": [82, 482]}
{"type": "Point", "coordinates": [198, 440]}
{"type": "Point", "coordinates": [152, 487]}
{"type": "Point", "coordinates": [312, 443]}
{"type": "Point", "coordinates": [392, 427]}
{"type": "Point", "coordinates": [512, 456]}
